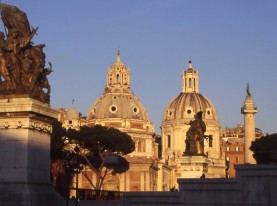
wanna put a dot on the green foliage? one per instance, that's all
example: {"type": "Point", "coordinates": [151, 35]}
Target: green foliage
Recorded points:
{"type": "Point", "coordinates": [100, 148]}
{"type": "Point", "coordinates": [106, 138]}
{"type": "Point", "coordinates": [264, 149]}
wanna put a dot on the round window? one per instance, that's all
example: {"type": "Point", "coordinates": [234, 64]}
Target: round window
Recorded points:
{"type": "Point", "coordinates": [135, 109]}
{"type": "Point", "coordinates": [189, 111]}
{"type": "Point", "coordinates": [208, 112]}
{"type": "Point", "coordinates": [114, 97]}
{"type": "Point", "coordinates": [113, 108]}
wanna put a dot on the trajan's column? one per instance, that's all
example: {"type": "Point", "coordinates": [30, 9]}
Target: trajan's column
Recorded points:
{"type": "Point", "coordinates": [249, 111]}
{"type": "Point", "coordinates": [25, 116]}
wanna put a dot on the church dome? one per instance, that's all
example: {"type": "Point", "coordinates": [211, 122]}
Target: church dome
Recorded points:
{"type": "Point", "coordinates": [186, 105]}
{"type": "Point", "coordinates": [118, 105]}
{"type": "Point", "coordinates": [72, 113]}
{"type": "Point", "coordinates": [117, 101]}
{"type": "Point", "coordinates": [190, 101]}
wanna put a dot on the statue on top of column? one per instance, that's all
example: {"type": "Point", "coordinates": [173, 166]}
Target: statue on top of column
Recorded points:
{"type": "Point", "coordinates": [22, 64]}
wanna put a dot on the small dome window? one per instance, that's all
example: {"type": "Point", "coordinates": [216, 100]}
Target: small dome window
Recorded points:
{"type": "Point", "coordinates": [113, 109]}
{"type": "Point", "coordinates": [189, 111]}
{"type": "Point", "coordinates": [135, 110]}
{"type": "Point", "coordinates": [208, 112]}
{"type": "Point", "coordinates": [114, 97]}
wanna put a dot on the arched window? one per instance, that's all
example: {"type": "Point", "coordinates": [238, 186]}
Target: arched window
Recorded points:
{"type": "Point", "coordinates": [190, 83]}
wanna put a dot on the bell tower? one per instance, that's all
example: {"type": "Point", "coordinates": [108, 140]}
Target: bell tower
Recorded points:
{"type": "Point", "coordinates": [249, 111]}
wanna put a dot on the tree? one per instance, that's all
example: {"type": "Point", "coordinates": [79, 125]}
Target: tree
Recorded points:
{"type": "Point", "coordinates": [264, 149]}
{"type": "Point", "coordinates": [102, 149]}
{"type": "Point", "coordinates": [60, 173]}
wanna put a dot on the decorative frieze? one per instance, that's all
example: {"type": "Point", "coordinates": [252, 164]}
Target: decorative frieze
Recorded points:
{"type": "Point", "coordinates": [25, 123]}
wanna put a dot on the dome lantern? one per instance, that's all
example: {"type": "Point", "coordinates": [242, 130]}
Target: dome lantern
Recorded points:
{"type": "Point", "coordinates": [118, 77]}
{"type": "Point", "coordinates": [190, 80]}
{"type": "Point", "coordinates": [118, 101]}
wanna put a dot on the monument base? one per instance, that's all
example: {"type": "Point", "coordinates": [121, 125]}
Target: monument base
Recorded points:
{"type": "Point", "coordinates": [25, 132]}
{"type": "Point", "coordinates": [192, 166]}
{"type": "Point", "coordinates": [15, 194]}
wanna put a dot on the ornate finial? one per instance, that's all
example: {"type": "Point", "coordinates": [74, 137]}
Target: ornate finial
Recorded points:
{"type": "Point", "coordinates": [118, 56]}
{"type": "Point", "coordinates": [190, 65]}
{"type": "Point", "coordinates": [248, 90]}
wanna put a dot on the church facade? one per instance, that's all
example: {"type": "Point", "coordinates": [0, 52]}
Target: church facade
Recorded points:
{"type": "Point", "coordinates": [178, 116]}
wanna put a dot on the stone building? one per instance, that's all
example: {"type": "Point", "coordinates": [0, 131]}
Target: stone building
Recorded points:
{"type": "Point", "coordinates": [233, 147]}
{"type": "Point", "coordinates": [177, 116]}
{"type": "Point", "coordinates": [118, 107]}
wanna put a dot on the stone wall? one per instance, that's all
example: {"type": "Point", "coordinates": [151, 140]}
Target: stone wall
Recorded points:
{"type": "Point", "coordinates": [254, 185]}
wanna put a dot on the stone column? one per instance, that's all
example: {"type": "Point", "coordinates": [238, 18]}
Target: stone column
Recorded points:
{"type": "Point", "coordinates": [25, 131]}
{"type": "Point", "coordinates": [249, 110]}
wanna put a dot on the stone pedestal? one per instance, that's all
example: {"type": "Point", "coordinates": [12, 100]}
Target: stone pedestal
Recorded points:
{"type": "Point", "coordinates": [25, 131]}
{"type": "Point", "coordinates": [192, 166]}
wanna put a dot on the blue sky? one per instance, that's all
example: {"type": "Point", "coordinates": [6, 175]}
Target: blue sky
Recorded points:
{"type": "Point", "coordinates": [230, 43]}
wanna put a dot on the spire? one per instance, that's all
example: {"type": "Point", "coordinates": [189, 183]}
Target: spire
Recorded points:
{"type": "Point", "coordinates": [118, 60]}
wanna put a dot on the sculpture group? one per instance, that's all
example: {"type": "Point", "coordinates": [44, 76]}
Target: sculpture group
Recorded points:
{"type": "Point", "coordinates": [22, 64]}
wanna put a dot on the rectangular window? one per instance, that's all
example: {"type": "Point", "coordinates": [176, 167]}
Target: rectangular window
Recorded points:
{"type": "Point", "coordinates": [227, 148]}
{"type": "Point", "coordinates": [210, 142]}
{"type": "Point", "coordinates": [70, 122]}
{"type": "Point", "coordinates": [228, 159]}
{"type": "Point", "coordinates": [168, 141]}
{"type": "Point", "coordinates": [237, 149]}
{"type": "Point", "coordinates": [237, 159]}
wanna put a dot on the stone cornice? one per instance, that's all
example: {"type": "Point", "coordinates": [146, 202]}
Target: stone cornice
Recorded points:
{"type": "Point", "coordinates": [20, 105]}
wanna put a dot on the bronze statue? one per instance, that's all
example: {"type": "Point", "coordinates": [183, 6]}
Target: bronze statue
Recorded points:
{"type": "Point", "coordinates": [248, 90]}
{"type": "Point", "coordinates": [22, 64]}
{"type": "Point", "coordinates": [195, 136]}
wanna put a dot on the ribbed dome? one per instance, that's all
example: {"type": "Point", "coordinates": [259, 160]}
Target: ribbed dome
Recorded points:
{"type": "Point", "coordinates": [72, 113]}
{"type": "Point", "coordinates": [122, 105]}
{"type": "Point", "coordinates": [190, 100]}
{"type": "Point", "coordinates": [186, 105]}
{"type": "Point", "coordinates": [117, 101]}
